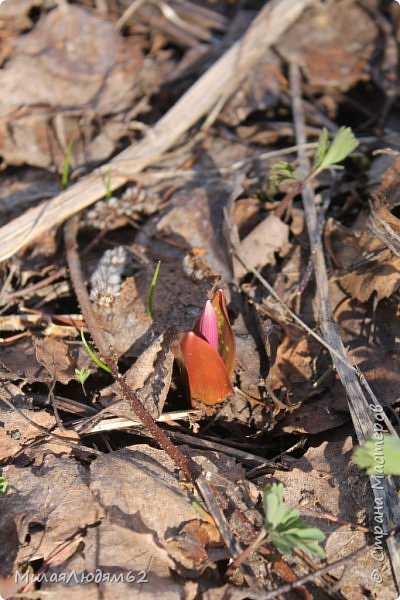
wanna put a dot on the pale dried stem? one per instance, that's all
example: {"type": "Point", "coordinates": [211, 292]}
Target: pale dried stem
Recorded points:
{"type": "Point", "coordinates": [225, 75]}
{"type": "Point", "coordinates": [360, 407]}
{"type": "Point", "coordinates": [107, 355]}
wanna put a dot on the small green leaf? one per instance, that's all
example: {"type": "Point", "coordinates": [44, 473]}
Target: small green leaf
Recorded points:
{"type": "Point", "coordinates": [283, 172]}
{"type": "Point", "coordinates": [301, 537]}
{"type": "Point", "coordinates": [272, 499]}
{"type": "Point", "coordinates": [379, 455]}
{"type": "Point", "coordinates": [82, 375]}
{"type": "Point", "coordinates": [341, 146]}
{"type": "Point", "coordinates": [152, 287]}
{"type": "Point", "coordinates": [3, 485]}
{"type": "Point", "coordinates": [322, 147]}
{"type": "Point", "coordinates": [108, 186]}
{"type": "Point", "coordinates": [66, 167]}
{"type": "Point", "coordinates": [286, 528]}
{"type": "Point", "coordinates": [92, 355]}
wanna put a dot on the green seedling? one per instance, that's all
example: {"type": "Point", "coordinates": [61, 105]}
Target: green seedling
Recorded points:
{"type": "Point", "coordinates": [82, 375]}
{"type": "Point", "coordinates": [327, 156]}
{"type": "Point", "coordinates": [283, 172]}
{"type": "Point", "coordinates": [285, 528]}
{"type": "Point", "coordinates": [92, 355]}
{"type": "Point", "coordinates": [152, 287]}
{"type": "Point", "coordinates": [379, 455]}
{"type": "Point", "coordinates": [3, 485]}
{"type": "Point", "coordinates": [66, 167]}
{"type": "Point", "coordinates": [108, 186]}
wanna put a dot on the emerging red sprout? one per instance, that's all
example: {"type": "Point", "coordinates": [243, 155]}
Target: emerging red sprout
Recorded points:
{"type": "Point", "coordinates": [208, 353]}
{"type": "Point", "coordinates": [208, 325]}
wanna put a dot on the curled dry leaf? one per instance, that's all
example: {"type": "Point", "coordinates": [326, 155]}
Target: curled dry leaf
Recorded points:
{"type": "Point", "coordinates": [332, 45]}
{"type": "Point", "coordinates": [259, 247]}
{"type": "Point", "coordinates": [383, 223]}
{"type": "Point", "coordinates": [293, 369]}
{"type": "Point", "coordinates": [150, 376]}
{"type": "Point", "coordinates": [190, 546]}
{"type": "Point", "coordinates": [52, 353]}
{"type": "Point", "coordinates": [69, 86]}
{"type": "Point", "coordinates": [34, 360]}
{"type": "Point", "coordinates": [367, 266]}
{"type": "Point", "coordinates": [16, 431]}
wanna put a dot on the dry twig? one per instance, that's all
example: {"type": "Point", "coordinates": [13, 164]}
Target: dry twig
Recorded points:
{"type": "Point", "coordinates": [70, 233]}
{"type": "Point", "coordinates": [360, 409]}
{"type": "Point", "coordinates": [189, 467]}
{"type": "Point", "coordinates": [349, 559]}
{"type": "Point", "coordinates": [225, 74]}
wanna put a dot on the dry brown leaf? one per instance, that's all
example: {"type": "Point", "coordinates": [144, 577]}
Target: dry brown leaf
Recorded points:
{"type": "Point", "coordinates": [381, 368]}
{"type": "Point", "coordinates": [259, 247]}
{"type": "Point", "coordinates": [195, 220]}
{"type": "Point", "coordinates": [293, 370]}
{"type": "Point", "coordinates": [190, 545]}
{"type": "Point", "coordinates": [332, 44]}
{"type": "Point", "coordinates": [246, 213]}
{"type": "Point", "coordinates": [150, 376]}
{"type": "Point", "coordinates": [259, 92]}
{"type": "Point", "coordinates": [371, 267]}
{"type": "Point", "coordinates": [125, 321]}
{"type": "Point", "coordinates": [383, 221]}
{"type": "Point", "coordinates": [55, 497]}
{"type": "Point", "coordinates": [16, 432]}
{"type": "Point", "coordinates": [372, 339]}
{"type": "Point", "coordinates": [19, 362]}
{"type": "Point", "coordinates": [121, 506]}
{"type": "Point", "coordinates": [381, 276]}
{"type": "Point", "coordinates": [102, 75]}
{"type": "Point", "coordinates": [53, 354]}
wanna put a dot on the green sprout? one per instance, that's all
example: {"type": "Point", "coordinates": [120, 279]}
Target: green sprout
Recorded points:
{"type": "Point", "coordinates": [108, 186]}
{"type": "Point", "coordinates": [3, 485]}
{"type": "Point", "coordinates": [152, 287]}
{"type": "Point", "coordinates": [283, 172]}
{"type": "Point", "coordinates": [66, 167]}
{"type": "Point", "coordinates": [379, 455]}
{"type": "Point", "coordinates": [92, 355]}
{"type": "Point", "coordinates": [82, 375]}
{"type": "Point", "coordinates": [284, 526]}
{"type": "Point", "coordinates": [327, 156]}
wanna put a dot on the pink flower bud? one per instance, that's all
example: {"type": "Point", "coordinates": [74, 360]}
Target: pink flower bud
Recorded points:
{"type": "Point", "coordinates": [208, 325]}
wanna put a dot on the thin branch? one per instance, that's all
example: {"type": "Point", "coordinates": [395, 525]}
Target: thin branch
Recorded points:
{"type": "Point", "coordinates": [68, 441]}
{"type": "Point", "coordinates": [360, 410]}
{"type": "Point", "coordinates": [333, 351]}
{"type": "Point", "coordinates": [70, 233]}
{"type": "Point", "coordinates": [188, 466]}
{"type": "Point", "coordinates": [271, 22]}
{"type": "Point", "coordinates": [289, 587]}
